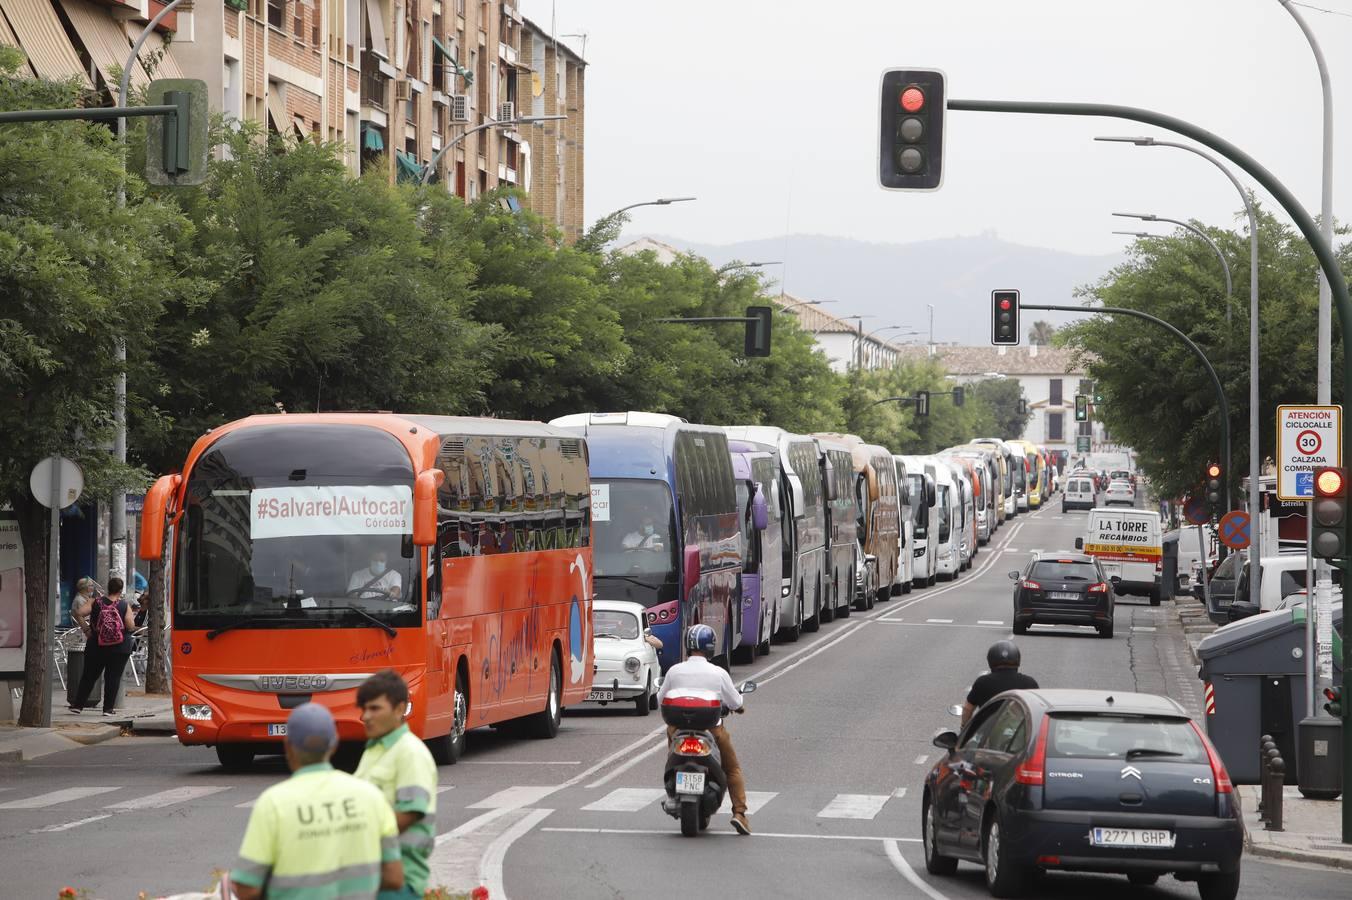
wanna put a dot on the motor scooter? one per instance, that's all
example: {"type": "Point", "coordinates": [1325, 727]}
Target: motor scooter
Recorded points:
{"type": "Point", "coordinates": [694, 776]}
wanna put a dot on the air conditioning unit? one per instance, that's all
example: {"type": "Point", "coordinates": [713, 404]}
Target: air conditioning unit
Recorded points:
{"type": "Point", "coordinates": [459, 107]}
{"type": "Point", "coordinates": [402, 90]}
{"type": "Point", "coordinates": [506, 112]}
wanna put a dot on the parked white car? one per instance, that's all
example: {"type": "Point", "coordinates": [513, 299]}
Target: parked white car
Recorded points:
{"type": "Point", "coordinates": [626, 663]}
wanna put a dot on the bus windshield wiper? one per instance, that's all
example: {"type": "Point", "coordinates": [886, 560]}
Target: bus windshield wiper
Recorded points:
{"type": "Point", "coordinates": [1149, 751]}
{"type": "Point", "coordinates": [638, 581]}
{"type": "Point", "coordinates": [370, 618]}
{"type": "Point", "coordinates": [250, 622]}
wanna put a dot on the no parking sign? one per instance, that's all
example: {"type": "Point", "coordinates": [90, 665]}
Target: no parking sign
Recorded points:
{"type": "Point", "coordinates": [1308, 437]}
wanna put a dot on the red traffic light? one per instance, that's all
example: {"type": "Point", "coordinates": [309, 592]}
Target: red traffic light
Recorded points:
{"type": "Point", "coordinates": [912, 99]}
{"type": "Point", "coordinates": [1330, 693]}
{"type": "Point", "coordinates": [1329, 482]}
{"type": "Point", "coordinates": [1005, 303]}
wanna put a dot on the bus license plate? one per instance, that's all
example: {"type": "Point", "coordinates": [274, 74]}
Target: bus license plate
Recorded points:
{"type": "Point", "coordinates": [1131, 837]}
{"type": "Point", "coordinates": [277, 730]}
{"type": "Point", "coordinates": [690, 783]}
{"type": "Point", "coordinates": [600, 695]}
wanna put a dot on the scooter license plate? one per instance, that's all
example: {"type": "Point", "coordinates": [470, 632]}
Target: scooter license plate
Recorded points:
{"type": "Point", "coordinates": [690, 782]}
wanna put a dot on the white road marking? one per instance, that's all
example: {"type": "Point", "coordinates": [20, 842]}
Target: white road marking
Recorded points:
{"type": "Point", "coordinates": [167, 798]}
{"type": "Point", "coordinates": [69, 825]}
{"type": "Point", "coordinates": [1144, 628]}
{"type": "Point", "coordinates": [720, 833]}
{"type": "Point", "coordinates": [938, 621]}
{"type": "Point", "coordinates": [922, 759]}
{"type": "Point", "coordinates": [754, 801]}
{"type": "Point", "coordinates": [900, 864]}
{"type": "Point", "coordinates": [457, 861]}
{"type": "Point", "coordinates": [854, 806]}
{"type": "Point", "coordinates": [52, 798]}
{"type": "Point", "coordinates": [625, 800]}
{"type": "Point", "coordinates": [519, 762]}
{"type": "Point", "coordinates": [899, 793]}
{"type": "Point", "coordinates": [247, 804]}
{"type": "Point", "coordinates": [990, 621]}
{"type": "Point", "coordinates": [515, 797]}
{"type": "Point", "coordinates": [490, 865]}
{"type": "Point", "coordinates": [849, 630]}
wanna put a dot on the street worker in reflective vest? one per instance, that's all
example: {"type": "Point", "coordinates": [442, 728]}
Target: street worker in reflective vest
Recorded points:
{"type": "Point", "coordinates": [401, 766]}
{"type": "Point", "coordinates": [321, 834]}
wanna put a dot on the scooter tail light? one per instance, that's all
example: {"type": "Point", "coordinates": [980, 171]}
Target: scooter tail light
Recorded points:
{"type": "Point", "coordinates": [1033, 770]}
{"type": "Point", "coordinates": [692, 746]}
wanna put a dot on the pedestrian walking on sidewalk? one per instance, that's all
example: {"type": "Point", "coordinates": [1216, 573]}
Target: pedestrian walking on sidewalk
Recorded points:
{"type": "Point", "coordinates": [401, 766]}
{"type": "Point", "coordinates": [108, 644]}
{"type": "Point", "coordinates": [321, 834]}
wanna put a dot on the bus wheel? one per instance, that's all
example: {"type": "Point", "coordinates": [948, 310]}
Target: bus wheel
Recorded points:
{"type": "Point", "coordinates": [814, 622]}
{"type": "Point", "coordinates": [545, 723]}
{"type": "Point", "coordinates": [794, 631]}
{"type": "Point", "coordinates": [235, 757]}
{"type": "Point", "coordinates": [447, 749]}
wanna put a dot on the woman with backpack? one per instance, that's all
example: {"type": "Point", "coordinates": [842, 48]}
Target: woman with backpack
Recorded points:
{"type": "Point", "coordinates": [108, 645]}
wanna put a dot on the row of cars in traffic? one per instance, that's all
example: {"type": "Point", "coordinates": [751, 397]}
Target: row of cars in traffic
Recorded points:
{"type": "Point", "coordinates": [764, 534]}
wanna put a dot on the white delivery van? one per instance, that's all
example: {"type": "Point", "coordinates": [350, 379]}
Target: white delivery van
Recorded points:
{"type": "Point", "coordinates": [1127, 544]}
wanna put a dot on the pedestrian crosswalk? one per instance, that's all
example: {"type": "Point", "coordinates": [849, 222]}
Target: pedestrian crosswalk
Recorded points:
{"type": "Point", "coordinates": [86, 804]}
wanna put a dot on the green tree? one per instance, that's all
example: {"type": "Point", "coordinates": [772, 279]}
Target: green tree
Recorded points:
{"type": "Point", "coordinates": [1003, 397]}
{"type": "Point", "coordinates": [1042, 333]}
{"type": "Point", "coordinates": [1157, 397]}
{"type": "Point", "coordinates": [76, 272]}
{"type": "Point", "coordinates": [897, 426]}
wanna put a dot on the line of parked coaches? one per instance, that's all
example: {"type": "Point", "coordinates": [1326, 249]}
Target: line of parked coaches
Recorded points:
{"type": "Point", "coordinates": [764, 534]}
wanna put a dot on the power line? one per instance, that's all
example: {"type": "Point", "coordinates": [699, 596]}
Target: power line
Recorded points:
{"type": "Point", "coordinates": [1331, 12]}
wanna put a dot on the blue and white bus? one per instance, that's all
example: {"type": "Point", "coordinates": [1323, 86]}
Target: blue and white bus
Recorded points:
{"type": "Point", "coordinates": [666, 527]}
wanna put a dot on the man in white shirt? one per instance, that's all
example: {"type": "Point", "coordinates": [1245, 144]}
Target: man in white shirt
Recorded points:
{"type": "Point", "coordinates": [645, 537]}
{"type": "Point", "coordinates": [376, 581]}
{"type": "Point", "coordinates": [697, 673]}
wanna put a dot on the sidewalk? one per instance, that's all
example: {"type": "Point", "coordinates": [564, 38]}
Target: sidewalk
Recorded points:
{"type": "Point", "coordinates": [1311, 828]}
{"type": "Point", "coordinates": [143, 714]}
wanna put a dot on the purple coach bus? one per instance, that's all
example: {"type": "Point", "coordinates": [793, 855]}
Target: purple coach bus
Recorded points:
{"type": "Point", "coordinates": [757, 484]}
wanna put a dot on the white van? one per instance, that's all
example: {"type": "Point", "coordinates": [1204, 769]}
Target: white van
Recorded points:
{"type": "Point", "coordinates": [1079, 493]}
{"type": "Point", "coordinates": [947, 534]}
{"type": "Point", "coordinates": [1127, 544]}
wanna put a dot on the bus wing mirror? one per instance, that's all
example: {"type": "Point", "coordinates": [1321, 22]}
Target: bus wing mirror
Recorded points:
{"type": "Point", "coordinates": [425, 507]}
{"type": "Point", "coordinates": [155, 514]}
{"type": "Point", "coordinates": [760, 512]}
{"type": "Point", "coordinates": [796, 493]}
{"type": "Point", "coordinates": [691, 568]}
{"type": "Point", "coordinates": [1079, 543]}
{"type": "Point", "coordinates": [829, 479]}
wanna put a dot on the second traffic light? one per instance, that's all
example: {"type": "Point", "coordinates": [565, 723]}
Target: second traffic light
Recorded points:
{"type": "Point", "coordinates": [1081, 408]}
{"type": "Point", "coordinates": [1214, 487]}
{"type": "Point", "coordinates": [1004, 318]}
{"type": "Point", "coordinates": [1330, 514]}
{"type": "Point", "coordinates": [911, 130]}
{"type": "Point", "coordinates": [758, 331]}
{"type": "Point", "coordinates": [1335, 705]}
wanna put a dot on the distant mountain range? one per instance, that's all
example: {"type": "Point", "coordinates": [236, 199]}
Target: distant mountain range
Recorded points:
{"type": "Point", "coordinates": [892, 283]}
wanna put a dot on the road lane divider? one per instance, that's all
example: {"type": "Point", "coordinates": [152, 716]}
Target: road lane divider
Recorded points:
{"type": "Point", "coordinates": [893, 851]}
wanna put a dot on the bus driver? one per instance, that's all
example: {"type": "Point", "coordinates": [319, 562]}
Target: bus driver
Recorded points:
{"type": "Point", "coordinates": [377, 581]}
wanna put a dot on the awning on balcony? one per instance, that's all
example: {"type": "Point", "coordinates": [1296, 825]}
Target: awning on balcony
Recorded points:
{"type": "Point", "coordinates": [104, 41]}
{"type": "Point", "coordinates": [168, 67]}
{"type": "Point", "coordinates": [277, 109]}
{"type": "Point", "coordinates": [375, 24]}
{"type": "Point", "coordinates": [372, 140]}
{"type": "Point", "coordinates": [43, 40]}
{"type": "Point", "coordinates": [407, 169]}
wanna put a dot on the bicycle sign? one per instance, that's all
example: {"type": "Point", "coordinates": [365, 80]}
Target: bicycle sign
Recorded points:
{"type": "Point", "coordinates": [1308, 437]}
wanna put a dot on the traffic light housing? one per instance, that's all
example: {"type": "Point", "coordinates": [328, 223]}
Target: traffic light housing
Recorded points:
{"type": "Point", "coordinates": [959, 396]}
{"type": "Point", "coordinates": [1214, 486]}
{"type": "Point", "coordinates": [177, 145]}
{"type": "Point", "coordinates": [911, 129]}
{"type": "Point", "coordinates": [1005, 318]}
{"type": "Point", "coordinates": [1334, 707]}
{"type": "Point", "coordinates": [758, 330]}
{"type": "Point", "coordinates": [922, 400]}
{"type": "Point", "coordinates": [1081, 408]}
{"type": "Point", "coordinates": [1330, 513]}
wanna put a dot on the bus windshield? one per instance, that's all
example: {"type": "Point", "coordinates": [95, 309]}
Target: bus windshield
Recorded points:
{"type": "Point", "coordinates": [942, 494]}
{"type": "Point", "coordinates": [298, 526]}
{"type": "Point", "coordinates": [635, 539]}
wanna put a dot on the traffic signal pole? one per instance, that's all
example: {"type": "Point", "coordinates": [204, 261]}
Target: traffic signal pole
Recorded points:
{"type": "Point", "coordinates": [1323, 251]}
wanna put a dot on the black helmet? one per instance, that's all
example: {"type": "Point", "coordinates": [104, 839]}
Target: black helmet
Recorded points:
{"type": "Point", "coordinates": [1003, 653]}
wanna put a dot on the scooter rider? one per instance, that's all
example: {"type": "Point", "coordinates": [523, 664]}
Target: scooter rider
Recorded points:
{"type": "Point", "coordinates": [699, 674]}
{"type": "Point", "coordinates": [1003, 657]}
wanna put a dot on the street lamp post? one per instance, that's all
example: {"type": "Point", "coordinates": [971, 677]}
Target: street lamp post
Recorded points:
{"type": "Point", "coordinates": [859, 337]}
{"type": "Point", "coordinates": [660, 201]}
{"type": "Point", "coordinates": [1225, 264]}
{"type": "Point", "coordinates": [1255, 556]}
{"type": "Point", "coordinates": [431, 167]}
{"type": "Point", "coordinates": [865, 338]}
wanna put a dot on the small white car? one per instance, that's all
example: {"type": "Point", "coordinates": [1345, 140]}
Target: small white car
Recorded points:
{"type": "Point", "coordinates": [1120, 492]}
{"type": "Point", "coordinates": [626, 663]}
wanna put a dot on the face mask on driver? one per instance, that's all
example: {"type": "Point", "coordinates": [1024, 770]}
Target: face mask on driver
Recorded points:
{"type": "Point", "coordinates": [377, 568]}
{"type": "Point", "coordinates": [647, 529]}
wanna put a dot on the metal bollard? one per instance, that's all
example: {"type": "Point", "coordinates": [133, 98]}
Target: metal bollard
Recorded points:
{"type": "Point", "coordinates": [1266, 746]}
{"type": "Point", "coordinates": [1277, 779]}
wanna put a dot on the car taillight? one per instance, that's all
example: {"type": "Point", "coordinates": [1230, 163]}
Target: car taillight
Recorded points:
{"type": "Point", "coordinates": [692, 746]}
{"type": "Point", "coordinates": [1033, 770]}
{"type": "Point", "coordinates": [1218, 773]}
{"type": "Point", "coordinates": [1100, 588]}
{"type": "Point", "coordinates": [1031, 585]}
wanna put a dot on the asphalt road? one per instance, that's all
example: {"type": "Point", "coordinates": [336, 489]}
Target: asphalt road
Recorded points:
{"type": "Point", "coordinates": [835, 745]}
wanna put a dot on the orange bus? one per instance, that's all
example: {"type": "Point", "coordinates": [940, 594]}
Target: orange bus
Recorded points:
{"type": "Point", "coordinates": [309, 551]}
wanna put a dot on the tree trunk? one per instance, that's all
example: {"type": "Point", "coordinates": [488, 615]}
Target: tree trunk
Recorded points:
{"type": "Point", "coordinates": [34, 528]}
{"type": "Point", "coordinates": [157, 673]}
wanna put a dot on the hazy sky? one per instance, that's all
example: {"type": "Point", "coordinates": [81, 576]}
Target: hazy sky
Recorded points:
{"type": "Point", "coordinates": [767, 112]}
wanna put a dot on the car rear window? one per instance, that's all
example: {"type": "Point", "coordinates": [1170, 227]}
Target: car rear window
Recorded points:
{"type": "Point", "coordinates": [1098, 736]}
{"type": "Point", "coordinates": [1081, 486]}
{"type": "Point", "coordinates": [1053, 570]}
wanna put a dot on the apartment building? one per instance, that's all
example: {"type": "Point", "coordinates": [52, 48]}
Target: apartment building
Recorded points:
{"type": "Point", "coordinates": [846, 346]}
{"type": "Point", "coordinates": [401, 84]}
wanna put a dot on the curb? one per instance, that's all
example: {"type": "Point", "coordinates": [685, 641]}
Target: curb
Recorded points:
{"type": "Point", "coordinates": [97, 736]}
{"type": "Point", "coordinates": [1291, 854]}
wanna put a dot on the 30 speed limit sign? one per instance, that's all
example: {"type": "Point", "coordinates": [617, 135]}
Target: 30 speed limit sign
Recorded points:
{"type": "Point", "coordinates": [1308, 437]}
